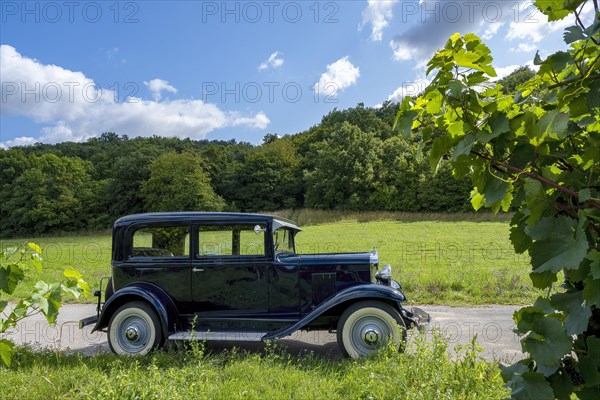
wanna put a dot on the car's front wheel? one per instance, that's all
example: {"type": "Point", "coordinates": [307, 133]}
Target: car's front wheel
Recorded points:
{"type": "Point", "coordinates": [134, 329]}
{"type": "Point", "coordinates": [367, 326]}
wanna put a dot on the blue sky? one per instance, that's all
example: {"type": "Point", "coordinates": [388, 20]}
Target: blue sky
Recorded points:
{"type": "Point", "coordinates": [234, 69]}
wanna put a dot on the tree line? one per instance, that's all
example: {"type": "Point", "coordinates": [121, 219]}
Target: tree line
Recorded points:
{"type": "Point", "coordinates": [351, 160]}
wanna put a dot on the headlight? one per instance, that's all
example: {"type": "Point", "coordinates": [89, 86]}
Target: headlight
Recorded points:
{"type": "Point", "coordinates": [385, 274]}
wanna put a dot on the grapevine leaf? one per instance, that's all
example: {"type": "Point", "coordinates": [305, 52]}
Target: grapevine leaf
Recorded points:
{"type": "Point", "coordinates": [578, 312]}
{"type": "Point", "coordinates": [591, 292]}
{"type": "Point", "coordinates": [542, 280]}
{"type": "Point", "coordinates": [594, 257]}
{"type": "Point", "coordinates": [559, 243]}
{"type": "Point", "coordinates": [588, 368]}
{"type": "Point", "coordinates": [440, 146]}
{"type": "Point", "coordinates": [548, 343]}
{"type": "Point", "coordinates": [536, 200]}
{"type": "Point", "coordinates": [10, 276]}
{"type": "Point", "coordinates": [6, 351]}
{"type": "Point", "coordinates": [526, 317]}
{"type": "Point", "coordinates": [554, 9]}
{"type": "Point", "coordinates": [495, 189]}
{"type": "Point", "coordinates": [519, 239]}
{"type": "Point", "coordinates": [35, 247]}
{"type": "Point", "coordinates": [463, 147]}
{"type": "Point", "coordinates": [584, 195]}
{"type": "Point", "coordinates": [573, 34]}
{"type": "Point", "coordinates": [561, 385]}
{"type": "Point", "coordinates": [530, 385]}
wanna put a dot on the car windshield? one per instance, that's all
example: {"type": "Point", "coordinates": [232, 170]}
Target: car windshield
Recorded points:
{"type": "Point", "coordinates": [283, 240]}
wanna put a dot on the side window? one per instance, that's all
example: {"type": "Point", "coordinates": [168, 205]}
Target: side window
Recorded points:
{"type": "Point", "coordinates": [163, 241]}
{"type": "Point", "coordinates": [231, 240]}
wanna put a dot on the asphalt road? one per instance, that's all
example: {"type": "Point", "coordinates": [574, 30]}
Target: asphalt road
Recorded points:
{"type": "Point", "coordinates": [493, 326]}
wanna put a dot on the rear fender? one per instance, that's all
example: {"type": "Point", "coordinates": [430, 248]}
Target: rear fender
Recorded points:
{"type": "Point", "coordinates": [350, 295]}
{"type": "Point", "coordinates": [148, 292]}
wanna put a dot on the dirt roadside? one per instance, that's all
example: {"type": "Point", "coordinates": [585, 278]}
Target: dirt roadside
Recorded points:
{"type": "Point", "coordinates": [493, 326]}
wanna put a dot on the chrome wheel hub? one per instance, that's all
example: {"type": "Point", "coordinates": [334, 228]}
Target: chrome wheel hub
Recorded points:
{"type": "Point", "coordinates": [132, 333]}
{"type": "Point", "coordinates": [371, 335]}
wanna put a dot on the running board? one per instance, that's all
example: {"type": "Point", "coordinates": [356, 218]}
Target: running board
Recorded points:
{"type": "Point", "coordinates": [225, 336]}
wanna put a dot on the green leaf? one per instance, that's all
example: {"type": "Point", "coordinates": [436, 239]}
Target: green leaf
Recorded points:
{"type": "Point", "coordinates": [10, 276]}
{"type": "Point", "coordinates": [591, 292]}
{"type": "Point", "coordinates": [542, 280]}
{"type": "Point", "coordinates": [3, 304]}
{"type": "Point", "coordinates": [584, 195]}
{"type": "Point", "coordinates": [573, 34]}
{"type": "Point", "coordinates": [536, 200]}
{"type": "Point", "coordinates": [525, 317]}
{"type": "Point", "coordinates": [558, 243]}
{"type": "Point", "coordinates": [36, 260]}
{"type": "Point", "coordinates": [495, 189]}
{"type": "Point", "coordinates": [548, 343]}
{"type": "Point", "coordinates": [530, 385]}
{"type": "Point", "coordinates": [72, 274]}
{"type": "Point", "coordinates": [54, 302]}
{"type": "Point", "coordinates": [561, 385]}
{"type": "Point", "coordinates": [463, 147]}
{"type": "Point", "coordinates": [6, 351]}
{"type": "Point", "coordinates": [35, 247]}
{"type": "Point", "coordinates": [477, 199]}
{"type": "Point", "coordinates": [594, 257]}
{"type": "Point", "coordinates": [589, 370]}
{"type": "Point", "coordinates": [456, 128]}
{"type": "Point", "coordinates": [441, 146]}
{"type": "Point", "coordinates": [519, 239]}
{"type": "Point", "coordinates": [554, 9]}
{"type": "Point", "coordinates": [577, 311]}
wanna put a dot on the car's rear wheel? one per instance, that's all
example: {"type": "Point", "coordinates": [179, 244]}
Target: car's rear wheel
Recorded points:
{"type": "Point", "coordinates": [367, 326]}
{"type": "Point", "coordinates": [134, 329]}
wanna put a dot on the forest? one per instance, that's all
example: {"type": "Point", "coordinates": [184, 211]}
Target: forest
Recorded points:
{"type": "Point", "coordinates": [351, 160]}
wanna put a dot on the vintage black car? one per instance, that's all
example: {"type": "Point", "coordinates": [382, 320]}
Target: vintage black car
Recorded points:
{"type": "Point", "coordinates": [233, 276]}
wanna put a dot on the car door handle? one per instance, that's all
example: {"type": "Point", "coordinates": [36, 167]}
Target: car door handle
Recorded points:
{"type": "Point", "coordinates": [195, 269]}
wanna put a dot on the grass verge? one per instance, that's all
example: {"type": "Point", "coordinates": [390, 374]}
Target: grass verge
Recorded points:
{"type": "Point", "coordinates": [423, 371]}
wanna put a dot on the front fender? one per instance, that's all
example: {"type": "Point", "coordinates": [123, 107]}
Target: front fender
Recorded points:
{"type": "Point", "coordinates": [360, 292]}
{"type": "Point", "coordinates": [152, 294]}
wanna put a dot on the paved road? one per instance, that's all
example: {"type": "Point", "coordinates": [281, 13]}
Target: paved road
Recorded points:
{"type": "Point", "coordinates": [493, 326]}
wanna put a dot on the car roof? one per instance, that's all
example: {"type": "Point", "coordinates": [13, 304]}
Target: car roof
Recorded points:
{"type": "Point", "coordinates": [191, 216]}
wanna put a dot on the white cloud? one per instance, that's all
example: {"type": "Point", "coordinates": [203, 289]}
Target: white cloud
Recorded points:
{"type": "Point", "coordinates": [158, 85]}
{"type": "Point", "coordinates": [524, 48]}
{"type": "Point", "coordinates": [274, 61]}
{"type": "Point", "coordinates": [437, 20]}
{"type": "Point", "coordinates": [338, 76]}
{"type": "Point", "coordinates": [492, 30]}
{"type": "Point", "coordinates": [532, 25]}
{"type": "Point", "coordinates": [378, 14]}
{"type": "Point", "coordinates": [412, 88]}
{"type": "Point", "coordinates": [74, 108]}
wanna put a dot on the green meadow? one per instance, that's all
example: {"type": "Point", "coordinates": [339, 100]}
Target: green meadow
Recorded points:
{"type": "Point", "coordinates": [449, 262]}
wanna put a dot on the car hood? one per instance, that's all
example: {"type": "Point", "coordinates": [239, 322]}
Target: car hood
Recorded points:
{"type": "Point", "coordinates": [334, 258]}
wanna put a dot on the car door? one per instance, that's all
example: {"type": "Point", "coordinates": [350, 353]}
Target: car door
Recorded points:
{"type": "Point", "coordinates": [229, 270]}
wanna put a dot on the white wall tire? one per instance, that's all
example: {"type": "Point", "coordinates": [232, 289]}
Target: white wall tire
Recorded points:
{"type": "Point", "coordinates": [368, 326]}
{"type": "Point", "coordinates": [134, 329]}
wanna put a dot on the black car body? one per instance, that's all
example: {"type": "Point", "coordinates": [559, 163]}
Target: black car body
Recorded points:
{"type": "Point", "coordinates": [234, 276]}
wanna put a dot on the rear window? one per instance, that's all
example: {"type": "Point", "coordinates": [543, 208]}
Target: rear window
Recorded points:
{"type": "Point", "coordinates": [161, 242]}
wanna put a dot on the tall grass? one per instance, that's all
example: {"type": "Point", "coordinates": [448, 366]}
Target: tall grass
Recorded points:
{"type": "Point", "coordinates": [424, 371]}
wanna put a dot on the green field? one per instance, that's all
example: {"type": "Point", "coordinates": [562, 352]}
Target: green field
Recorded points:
{"type": "Point", "coordinates": [437, 262]}
{"type": "Point", "coordinates": [424, 371]}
